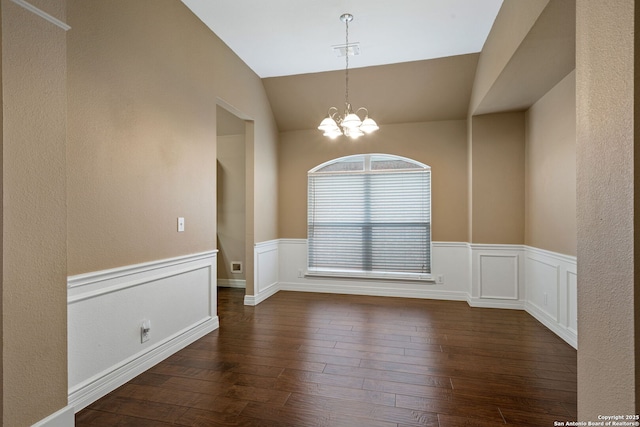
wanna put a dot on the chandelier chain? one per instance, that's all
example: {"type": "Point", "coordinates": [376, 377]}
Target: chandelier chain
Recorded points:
{"type": "Point", "coordinates": [346, 73]}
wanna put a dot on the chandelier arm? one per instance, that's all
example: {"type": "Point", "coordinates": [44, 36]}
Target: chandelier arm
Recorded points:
{"type": "Point", "coordinates": [366, 112]}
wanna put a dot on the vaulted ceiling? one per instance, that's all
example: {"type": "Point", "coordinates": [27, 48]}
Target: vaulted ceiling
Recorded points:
{"type": "Point", "coordinates": [414, 65]}
{"type": "Point", "coordinates": [287, 37]}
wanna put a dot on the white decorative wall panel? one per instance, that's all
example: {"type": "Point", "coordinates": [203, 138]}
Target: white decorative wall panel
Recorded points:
{"type": "Point", "coordinates": [105, 314]}
{"type": "Point", "coordinates": [499, 276]}
{"type": "Point", "coordinates": [450, 260]}
{"type": "Point", "coordinates": [266, 273]}
{"type": "Point", "coordinates": [544, 281]}
{"type": "Point", "coordinates": [552, 276]}
{"type": "Point", "coordinates": [572, 303]}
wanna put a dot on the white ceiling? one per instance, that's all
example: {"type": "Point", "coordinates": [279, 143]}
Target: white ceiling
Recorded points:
{"type": "Point", "coordinates": [287, 37]}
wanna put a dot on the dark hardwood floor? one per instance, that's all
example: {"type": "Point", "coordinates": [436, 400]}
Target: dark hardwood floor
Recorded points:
{"type": "Point", "coordinates": [304, 359]}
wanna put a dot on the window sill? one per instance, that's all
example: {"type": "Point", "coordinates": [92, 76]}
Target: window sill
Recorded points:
{"type": "Point", "coordinates": [422, 278]}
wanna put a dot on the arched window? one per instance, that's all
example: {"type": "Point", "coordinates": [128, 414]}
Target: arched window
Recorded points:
{"type": "Point", "coordinates": [369, 215]}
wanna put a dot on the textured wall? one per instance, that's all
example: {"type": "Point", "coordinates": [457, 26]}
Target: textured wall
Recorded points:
{"type": "Point", "coordinates": [34, 315]}
{"type": "Point", "coordinates": [550, 217]}
{"type": "Point", "coordinates": [441, 145]}
{"type": "Point", "coordinates": [606, 178]}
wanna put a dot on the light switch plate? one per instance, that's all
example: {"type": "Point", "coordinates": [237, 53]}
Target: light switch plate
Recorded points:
{"type": "Point", "coordinates": [180, 224]}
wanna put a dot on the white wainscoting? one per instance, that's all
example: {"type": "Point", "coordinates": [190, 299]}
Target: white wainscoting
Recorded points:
{"type": "Point", "coordinates": [105, 314]}
{"type": "Point", "coordinates": [497, 276]}
{"type": "Point", "coordinates": [517, 277]}
{"type": "Point", "coordinates": [551, 292]}
{"type": "Point", "coordinates": [542, 282]}
{"type": "Point", "coordinates": [265, 273]}
{"type": "Point", "coordinates": [449, 260]}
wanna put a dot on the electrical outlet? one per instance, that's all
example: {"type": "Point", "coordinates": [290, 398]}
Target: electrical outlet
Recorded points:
{"type": "Point", "coordinates": [145, 331]}
{"type": "Point", "coordinates": [300, 275]}
{"type": "Point", "coordinates": [180, 224]}
{"type": "Point", "coordinates": [440, 279]}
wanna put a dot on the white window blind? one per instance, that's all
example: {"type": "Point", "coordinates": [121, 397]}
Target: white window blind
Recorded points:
{"type": "Point", "coordinates": [370, 215]}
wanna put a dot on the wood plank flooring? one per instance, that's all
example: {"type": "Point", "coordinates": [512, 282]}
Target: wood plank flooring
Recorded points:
{"type": "Point", "coordinates": [304, 359]}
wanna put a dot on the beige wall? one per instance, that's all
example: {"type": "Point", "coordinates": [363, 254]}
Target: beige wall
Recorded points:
{"type": "Point", "coordinates": [530, 49]}
{"type": "Point", "coordinates": [497, 179]}
{"type": "Point", "coordinates": [230, 203]}
{"type": "Point", "coordinates": [550, 217]}
{"type": "Point", "coordinates": [511, 26]}
{"type": "Point", "coordinates": [441, 145]}
{"type": "Point", "coordinates": [34, 315]}
{"type": "Point", "coordinates": [607, 193]}
{"type": "Point", "coordinates": [144, 81]}
{"type": "Point", "coordinates": [250, 203]}
{"type": "Point", "coordinates": [408, 92]}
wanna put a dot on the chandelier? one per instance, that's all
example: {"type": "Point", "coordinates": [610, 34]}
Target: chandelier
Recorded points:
{"type": "Point", "coordinates": [349, 124]}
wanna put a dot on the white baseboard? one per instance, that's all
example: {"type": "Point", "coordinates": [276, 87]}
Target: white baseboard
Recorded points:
{"type": "Point", "coordinates": [495, 303]}
{"type": "Point", "coordinates": [65, 417]}
{"type": "Point", "coordinates": [106, 310]}
{"type": "Point", "coordinates": [266, 293]}
{"type": "Point", "coordinates": [232, 283]}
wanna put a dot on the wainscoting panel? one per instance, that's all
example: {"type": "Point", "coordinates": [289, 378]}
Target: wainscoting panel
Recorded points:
{"type": "Point", "coordinates": [551, 287]}
{"type": "Point", "coordinates": [266, 259]}
{"type": "Point", "coordinates": [105, 314]}
{"type": "Point", "coordinates": [572, 303]}
{"type": "Point", "coordinates": [543, 292]}
{"type": "Point", "coordinates": [449, 263]}
{"type": "Point", "coordinates": [497, 278]}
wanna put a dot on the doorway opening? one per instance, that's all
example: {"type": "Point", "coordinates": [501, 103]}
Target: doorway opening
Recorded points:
{"type": "Point", "coordinates": [231, 197]}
